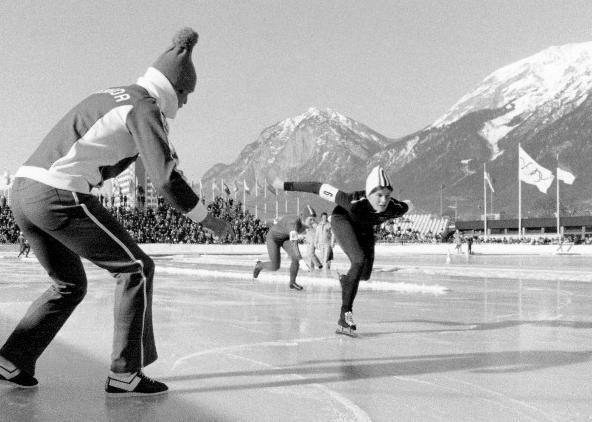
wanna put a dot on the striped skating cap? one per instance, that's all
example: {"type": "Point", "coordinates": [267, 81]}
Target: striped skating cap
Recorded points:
{"type": "Point", "coordinates": [377, 179]}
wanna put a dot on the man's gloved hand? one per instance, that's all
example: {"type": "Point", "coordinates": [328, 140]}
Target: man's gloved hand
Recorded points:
{"type": "Point", "coordinates": [221, 228]}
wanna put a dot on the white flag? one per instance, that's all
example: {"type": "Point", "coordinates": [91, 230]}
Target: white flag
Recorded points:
{"type": "Point", "coordinates": [488, 180]}
{"type": "Point", "coordinates": [565, 176]}
{"type": "Point", "coordinates": [532, 173]}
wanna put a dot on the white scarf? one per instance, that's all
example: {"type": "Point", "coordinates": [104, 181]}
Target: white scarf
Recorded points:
{"type": "Point", "coordinates": [159, 87]}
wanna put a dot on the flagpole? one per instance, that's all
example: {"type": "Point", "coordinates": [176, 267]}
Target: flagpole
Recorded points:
{"type": "Point", "coordinates": [484, 203]}
{"type": "Point", "coordinates": [519, 198]}
{"type": "Point", "coordinates": [557, 181]}
{"type": "Point", "coordinates": [244, 196]}
{"type": "Point", "coordinates": [265, 198]}
{"type": "Point", "coordinates": [256, 197]}
{"type": "Point", "coordinates": [297, 205]}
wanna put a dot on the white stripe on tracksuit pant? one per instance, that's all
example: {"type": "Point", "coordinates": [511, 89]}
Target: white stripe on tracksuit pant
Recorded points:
{"type": "Point", "coordinates": [62, 227]}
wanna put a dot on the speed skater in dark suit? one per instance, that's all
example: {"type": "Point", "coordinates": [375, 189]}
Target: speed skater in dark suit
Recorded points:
{"type": "Point", "coordinates": [287, 233]}
{"type": "Point", "coordinates": [53, 206]}
{"type": "Point", "coordinates": [353, 221]}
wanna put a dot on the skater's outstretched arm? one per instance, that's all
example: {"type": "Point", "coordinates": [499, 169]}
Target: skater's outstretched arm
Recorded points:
{"type": "Point", "coordinates": [346, 200]}
{"type": "Point", "coordinates": [324, 190]}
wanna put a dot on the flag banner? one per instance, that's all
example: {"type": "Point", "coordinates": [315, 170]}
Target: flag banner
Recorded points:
{"type": "Point", "coordinates": [488, 180]}
{"type": "Point", "coordinates": [271, 188]}
{"type": "Point", "coordinates": [565, 176]}
{"type": "Point", "coordinates": [226, 189]}
{"type": "Point", "coordinates": [532, 173]}
{"type": "Point", "coordinates": [214, 186]}
{"type": "Point", "coordinates": [246, 187]}
{"type": "Point", "coordinates": [236, 187]}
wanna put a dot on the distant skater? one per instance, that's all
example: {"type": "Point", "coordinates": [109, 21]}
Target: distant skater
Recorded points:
{"type": "Point", "coordinates": [286, 233]}
{"type": "Point", "coordinates": [310, 246]}
{"type": "Point", "coordinates": [24, 246]}
{"type": "Point", "coordinates": [324, 241]}
{"type": "Point", "coordinates": [457, 242]}
{"type": "Point", "coordinates": [353, 221]}
{"type": "Point", "coordinates": [470, 245]}
{"type": "Point", "coordinates": [53, 206]}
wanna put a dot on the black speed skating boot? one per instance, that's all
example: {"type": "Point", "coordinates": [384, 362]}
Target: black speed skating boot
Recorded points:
{"type": "Point", "coordinates": [295, 286]}
{"type": "Point", "coordinates": [346, 324]}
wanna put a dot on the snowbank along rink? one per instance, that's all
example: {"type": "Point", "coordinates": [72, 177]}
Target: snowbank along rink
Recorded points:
{"type": "Point", "coordinates": [502, 335]}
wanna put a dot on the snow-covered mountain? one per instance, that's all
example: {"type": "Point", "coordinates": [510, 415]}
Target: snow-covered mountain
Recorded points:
{"type": "Point", "coordinates": [544, 86]}
{"type": "Point", "coordinates": [316, 145]}
{"type": "Point", "coordinates": [541, 102]}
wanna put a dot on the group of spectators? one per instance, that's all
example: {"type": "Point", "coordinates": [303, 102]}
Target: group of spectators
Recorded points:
{"type": "Point", "coordinates": [535, 240]}
{"type": "Point", "coordinates": [164, 224]}
{"type": "Point", "coordinates": [9, 231]}
{"type": "Point", "coordinates": [391, 233]}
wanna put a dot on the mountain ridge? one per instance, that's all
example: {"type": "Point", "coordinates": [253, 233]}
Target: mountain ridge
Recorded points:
{"type": "Point", "coordinates": [541, 102]}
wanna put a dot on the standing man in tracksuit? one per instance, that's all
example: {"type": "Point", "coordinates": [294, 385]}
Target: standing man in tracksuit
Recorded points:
{"type": "Point", "coordinates": [287, 233]}
{"type": "Point", "coordinates": [353, 221]}
{"type": "Point", "coordinates": [52, 204]}
{"type": "Point", "coordinates": [324, 241]}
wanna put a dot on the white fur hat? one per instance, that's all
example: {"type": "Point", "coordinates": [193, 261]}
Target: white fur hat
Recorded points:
{"type": "Point", "coordinates": [377, 179]}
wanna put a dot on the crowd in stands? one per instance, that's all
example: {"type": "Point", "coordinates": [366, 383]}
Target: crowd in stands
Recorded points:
{"type": "Point", "coordinates": [164, 224]}
{"type": "Point", "coordinates": [535, 240]}
{"type": "Point", "coordinates": [390, 232]}
{"type": "Point", "coordinates": [9, 231]}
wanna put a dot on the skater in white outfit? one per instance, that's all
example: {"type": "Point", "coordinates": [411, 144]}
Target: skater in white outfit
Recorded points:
{"type": "Point", "coordinates": [53, 206]}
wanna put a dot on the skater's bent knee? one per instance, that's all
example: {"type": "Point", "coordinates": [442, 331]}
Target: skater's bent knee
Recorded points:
{"type": "Point", "coordinates": [71, 292]}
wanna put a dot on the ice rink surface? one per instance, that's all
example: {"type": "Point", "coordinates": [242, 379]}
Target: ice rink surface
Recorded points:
{"type": "Point", "coordinates": [482, 338]}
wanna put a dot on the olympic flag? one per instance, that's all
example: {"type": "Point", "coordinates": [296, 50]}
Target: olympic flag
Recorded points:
{"type": "Point", "coordinates": [532, 173]}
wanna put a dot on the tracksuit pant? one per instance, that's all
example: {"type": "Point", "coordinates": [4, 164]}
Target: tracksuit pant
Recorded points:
{"type": "Point", "coordinates": [63, 226]}
{"type": "Point", "coordinates": [359, 248]}
{"type": "Point", "coordinates": [276, 240]}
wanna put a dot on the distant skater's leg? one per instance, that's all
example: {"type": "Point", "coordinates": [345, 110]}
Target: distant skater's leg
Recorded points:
{"type": "Point", "coordinates": [295, 258]}
{"type": "Point", "coordinates": [273, 242]}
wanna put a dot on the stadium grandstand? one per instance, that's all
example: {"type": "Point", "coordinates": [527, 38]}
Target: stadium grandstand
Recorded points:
{"type": "Point", "coordinates": [423, 223]}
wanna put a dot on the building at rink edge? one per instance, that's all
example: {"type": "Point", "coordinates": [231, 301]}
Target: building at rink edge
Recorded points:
{"type": "Point", "coordinates": [132, 188]}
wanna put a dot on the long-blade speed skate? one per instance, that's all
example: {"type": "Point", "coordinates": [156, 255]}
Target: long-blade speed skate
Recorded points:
{"type": "Point", "coordinates": [345, 331]}
{"type": "Point", "coordinates": [346, 325]}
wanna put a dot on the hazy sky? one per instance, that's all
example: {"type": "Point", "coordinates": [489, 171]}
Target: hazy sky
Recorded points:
{"type": "Point", "coordinates": [393, 65]}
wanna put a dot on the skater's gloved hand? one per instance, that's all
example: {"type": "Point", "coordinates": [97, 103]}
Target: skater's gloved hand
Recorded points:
{"type": "Point", "coordinates": [221, 228]}
{"type": "Point", "coordinates": [278, 184]}
{"type": "Point", "coordinates": [304, 265]}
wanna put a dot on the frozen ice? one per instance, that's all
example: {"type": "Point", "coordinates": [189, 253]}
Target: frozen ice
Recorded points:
{"type": "Point", "coordinates": [489, 337]}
